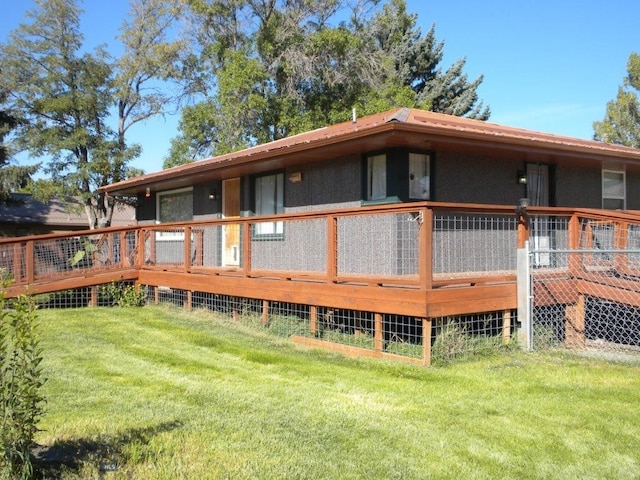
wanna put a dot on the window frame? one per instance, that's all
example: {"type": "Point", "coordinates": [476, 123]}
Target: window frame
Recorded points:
{"type": "Point", "coordinates": [375, 161]}
{"type": "Point", "coordinates": [425, 182]}
{"type": "Point", "coordinates": [400, 185]}
{"type": "Point", "coordinates": [171, 236]}
{"type": "Point", "coordinates": [622, 197]}
{"type": "Point", "coordinates": [276, 227]}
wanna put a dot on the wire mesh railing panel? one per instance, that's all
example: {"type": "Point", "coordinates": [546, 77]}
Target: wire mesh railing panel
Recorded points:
{"type": "Point", "coordinates": [166, 247]}
{"type": "Point", "coordinates": [601, 238]}
{"type": "Point", "coordinates": [209, 245]}
{"type": "Point", "coordinates": [549, 237]}
{"type": "Point", "coordinates": [382, 245]}
{"type": "Point", "coordinates": [12, 262]}
{"type": "Point", "coordinates": [290, 246]}
{"type": "Point", "coordinates": [474, 244]}
{"type": "Point", "coordinates": [592, 311]}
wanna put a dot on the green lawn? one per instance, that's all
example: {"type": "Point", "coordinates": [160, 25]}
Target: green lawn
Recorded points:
{"type": "Point", "coordinates": [156, 393]}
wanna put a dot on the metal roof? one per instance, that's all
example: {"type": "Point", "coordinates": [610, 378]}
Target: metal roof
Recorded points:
{"type": "Point", "coordinates": [405, 127]}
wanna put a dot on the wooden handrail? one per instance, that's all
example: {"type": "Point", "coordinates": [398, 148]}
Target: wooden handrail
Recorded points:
{"type": "Point", "coordinates": [145, 236]}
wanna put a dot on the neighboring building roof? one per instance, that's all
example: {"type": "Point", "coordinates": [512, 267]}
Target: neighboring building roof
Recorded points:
{"type": "Point", "coordinates": [400, 127]}
{"type": "Point", "coordinates": [24, 209]}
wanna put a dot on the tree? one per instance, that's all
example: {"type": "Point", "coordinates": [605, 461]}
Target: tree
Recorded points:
{"type": "Point", "coordinates": [12, 177]}
{"type": "Point", "coordinates": [65, 96]}
{"type": "Point", "coordinates": [149, 61]}
{"type": "Point", "coordinates": [621, 124]}
{"type": "Point", "coordinates": [266, 69]}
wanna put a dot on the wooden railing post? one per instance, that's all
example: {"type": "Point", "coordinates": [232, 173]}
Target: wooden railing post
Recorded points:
{"type": "Point", "coordinates": [141, 237]}
{"type": "Point", "coordinates": [523, 228]}
{"type": "Point", "coordinates": [17, 263]}
{"type": "Point", "coordinates": [30, 261]}
{"type": "Point", "coordinates": [574, 244]}
{"type": "Point", "coordinates": [425, 249]}
{"type": "Point", "coordinates": [378, 334]}
{"type": "Point", "coordinates": [426, 342]}
{"type": "Point", "coordinates": [246, 248]}
{"type": "Point", "coordinates": [187, 248]}
{"type": "Point", "coordinates": [152, 246]}
{"type": "Point", "coordinates": [313, 320]}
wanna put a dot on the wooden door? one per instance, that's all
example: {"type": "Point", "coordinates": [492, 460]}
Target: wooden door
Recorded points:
{"type": "Point", "coordinates": [231, 235]}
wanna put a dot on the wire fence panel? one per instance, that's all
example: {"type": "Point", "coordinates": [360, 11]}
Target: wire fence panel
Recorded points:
{"type": "Point", "coordinates": [68, 256]}
{"type": "Point", "coordinates": [474, 244]}
{"type": "Point", "coordinates": [290, 246]}
{"type": "Point", "coordinates": [13, 262]}
{"type": "Point", "coordinates": [379, 245]}
{"type": "Point", "coordinates": [593, 308]}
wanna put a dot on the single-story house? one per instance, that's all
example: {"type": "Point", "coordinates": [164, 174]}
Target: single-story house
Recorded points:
{"type": "Point", "coordinates": [402, 155]}
{"type": "Point", "coordinates": [386, 230]}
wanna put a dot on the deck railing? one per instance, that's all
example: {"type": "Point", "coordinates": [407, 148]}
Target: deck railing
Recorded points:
{"type": "Point", "coordinates": [419, 245]}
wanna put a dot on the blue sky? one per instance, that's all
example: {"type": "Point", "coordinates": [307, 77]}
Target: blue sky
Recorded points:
{"type": "Point", "coordinates": [548, 65]}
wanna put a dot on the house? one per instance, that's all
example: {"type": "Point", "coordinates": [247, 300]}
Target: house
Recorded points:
{"type": "Point", "coordinates": [399, 156]}
{"type": "Point", "coordinates": [23, 215]}
{"type": "Point", "coordinates": [384, 236]}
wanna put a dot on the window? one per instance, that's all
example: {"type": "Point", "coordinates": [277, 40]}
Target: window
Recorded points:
{"type": "Point", "coordinates": [174, 206]}
{"type": "Point", "coordinates": [613, 190]}
{"type": "Point", "coordinates": [269, 200]}
{"type": "Point", "coordinates": [419, 181]}
{"type": "Point", "coordinates": [377, 177]}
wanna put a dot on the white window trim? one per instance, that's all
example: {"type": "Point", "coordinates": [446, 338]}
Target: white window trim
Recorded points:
{"type": "Point", "coordinates": [622, 197]}
{"type": "Point", "coordinates": [169, 236]}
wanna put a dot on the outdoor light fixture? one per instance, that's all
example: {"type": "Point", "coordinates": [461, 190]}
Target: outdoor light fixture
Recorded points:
{"type": "Point", "coordinates": [522, 178]}
{"type": "Point", "coordinates": [147, 192]}
{"type": "Point", "coordinates": [213, 194]}
{"type": "Point", "coordinates": [295, 177]}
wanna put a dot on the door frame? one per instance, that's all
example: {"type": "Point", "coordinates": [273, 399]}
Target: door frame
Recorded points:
{"type": "Point", "coordinates": [230, 257]}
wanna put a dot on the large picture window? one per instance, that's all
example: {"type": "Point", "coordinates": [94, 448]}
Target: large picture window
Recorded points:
{"type": "Point", "coordinates": [174, 206]}
{"type": "Point", "coordinates": [613, 190]}
{"type": "Point", "coordinates": [269, 200]}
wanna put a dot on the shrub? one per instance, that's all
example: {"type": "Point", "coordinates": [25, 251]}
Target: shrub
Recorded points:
{"type": "Point", "coordinates": [125, 295]}
{"type": "Point", "coordinates": [21, 403]}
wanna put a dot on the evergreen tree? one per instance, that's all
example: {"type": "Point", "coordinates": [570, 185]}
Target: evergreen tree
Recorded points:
{"type": "Point", "coordinates": [12, 177]}
{"type": "Point", "coordinates": [621, 124]}
{"type": "Point", "coordinates": [65, 96]}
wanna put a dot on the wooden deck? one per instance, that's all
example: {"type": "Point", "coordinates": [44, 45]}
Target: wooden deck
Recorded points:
{"type": "Point", "coordinates": [423, 260]}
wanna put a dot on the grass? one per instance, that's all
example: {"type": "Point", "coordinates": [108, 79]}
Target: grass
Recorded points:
{"type": "Point", "coordinates": [153, 393]}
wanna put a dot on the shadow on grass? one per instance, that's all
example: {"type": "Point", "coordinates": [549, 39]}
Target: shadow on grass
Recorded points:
{"type": "Point", "coordinates": [105, 453]}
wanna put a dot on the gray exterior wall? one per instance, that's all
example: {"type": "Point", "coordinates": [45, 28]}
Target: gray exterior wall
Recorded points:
{"type": "Point", "coordinates": [326, 185]}
{"type": "Point", "coordinates": [578, 187]}
{"type": "Point", "coordinates": [633, 191]}
{"type": "Point", "coordinates": [474, 179]}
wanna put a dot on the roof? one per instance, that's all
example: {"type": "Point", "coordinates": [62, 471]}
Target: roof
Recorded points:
{"type": "Point", "coordinates": [399, 127]}
{"type": "Point", "coordinates": [22, 208]}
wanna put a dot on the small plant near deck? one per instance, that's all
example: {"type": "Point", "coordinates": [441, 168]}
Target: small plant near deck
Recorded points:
{"type": "Point", "coordinates": [454, 341]}
{"type": "Point", "coordinates": [124, 295]}
{"type": "Point", "coordinates": [20, 382]}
